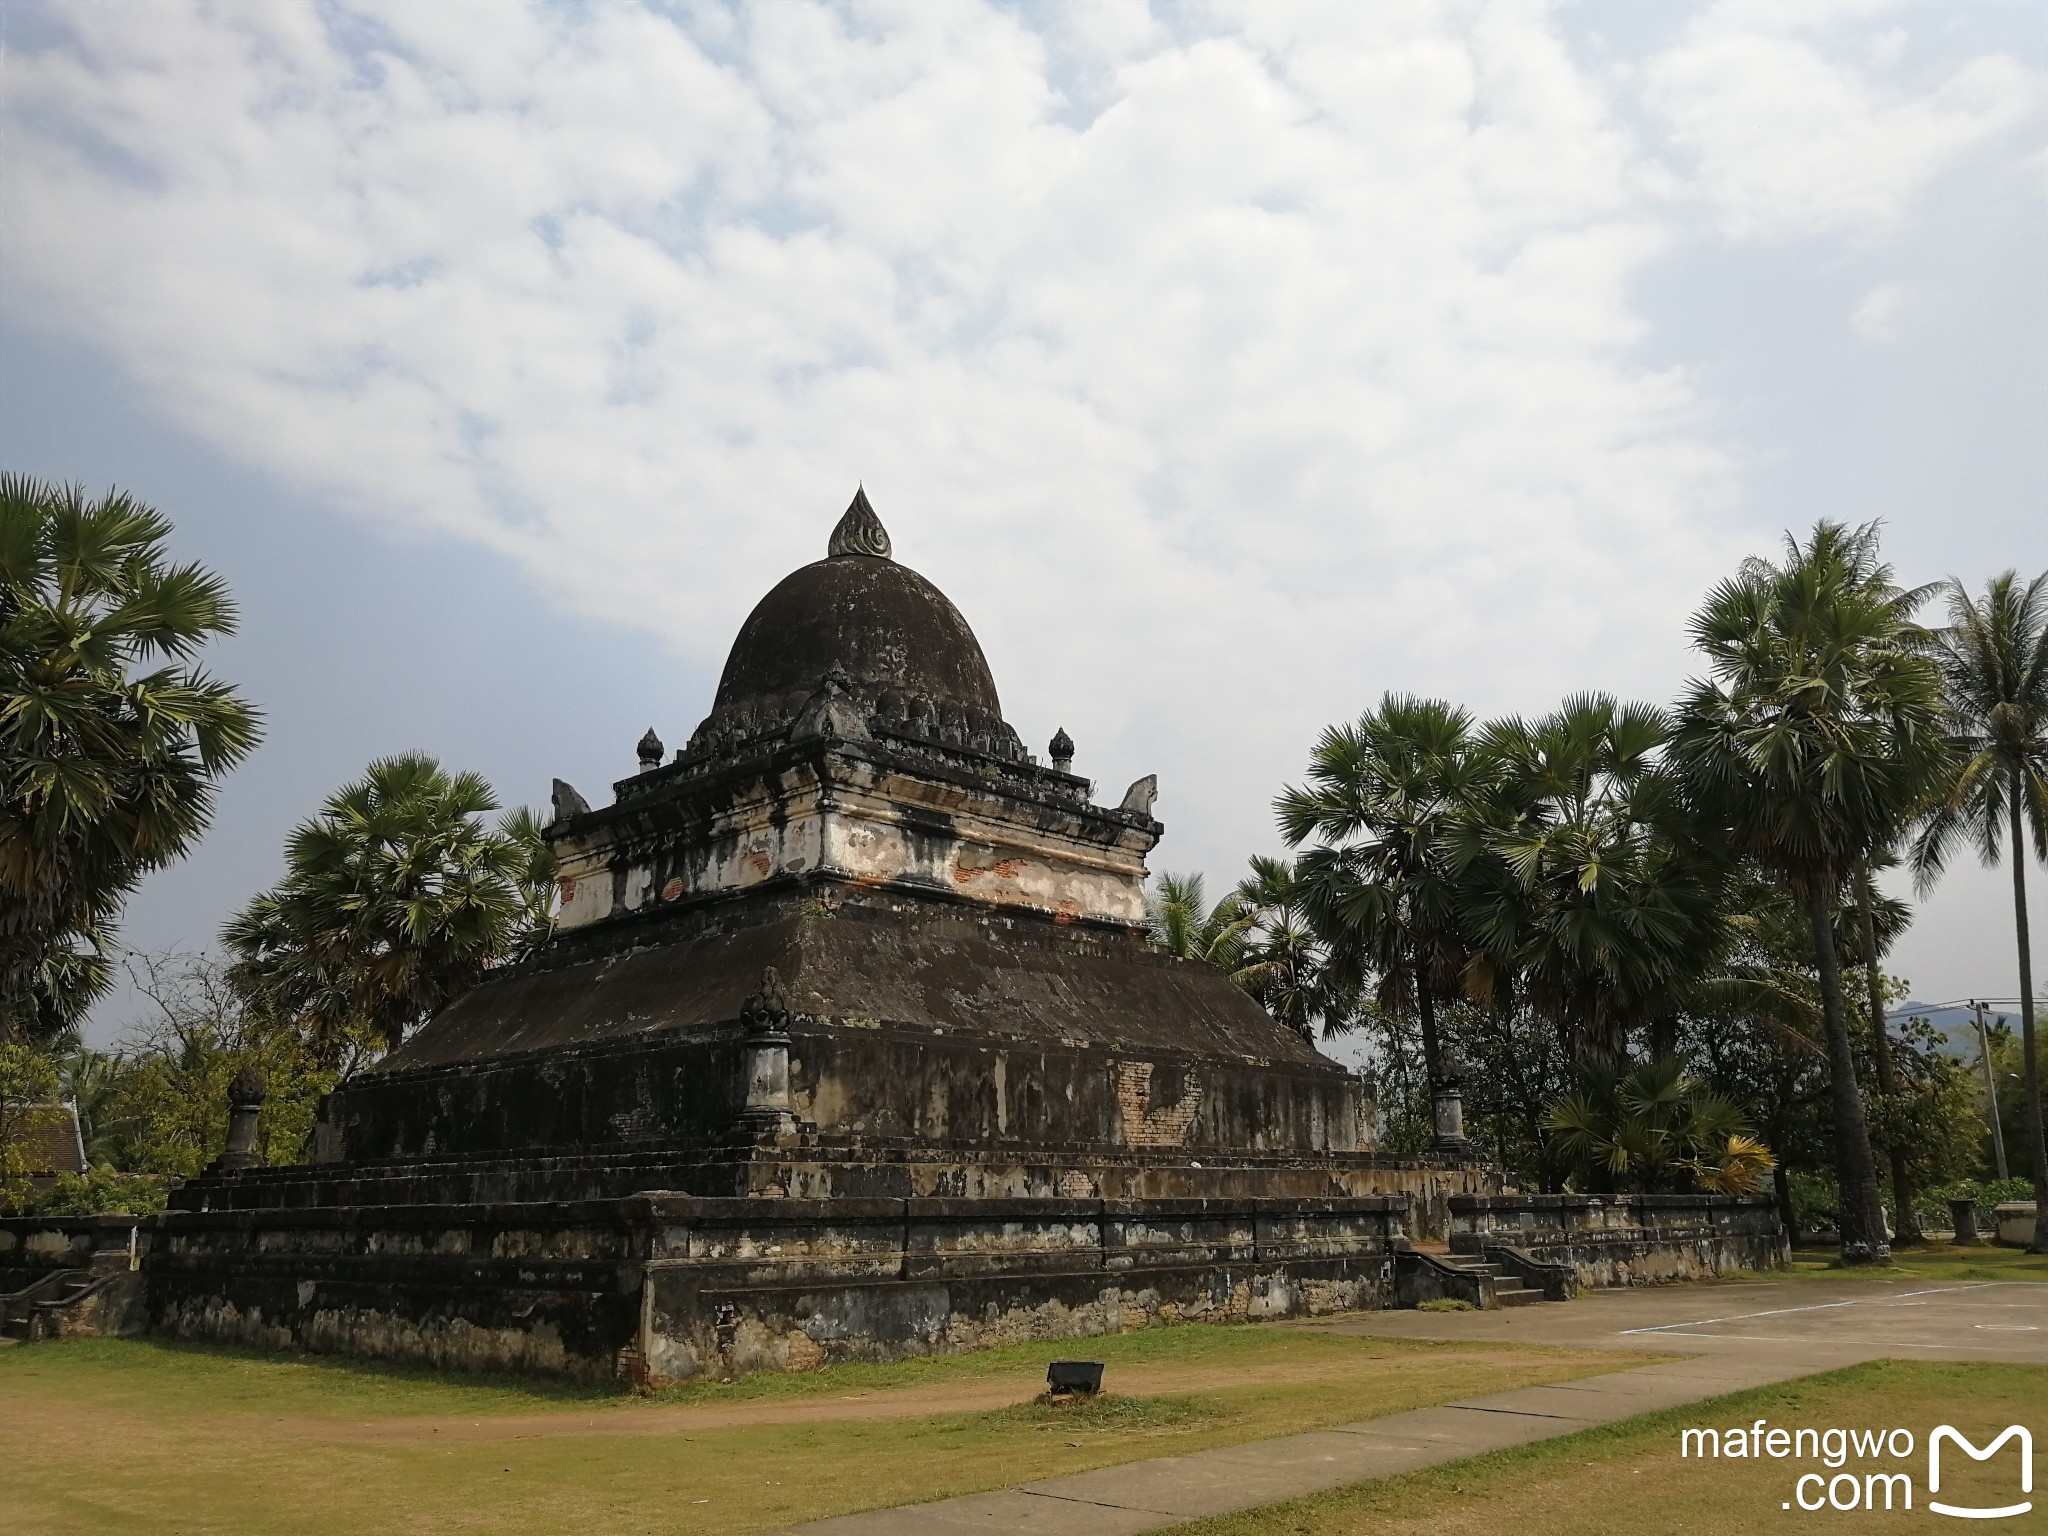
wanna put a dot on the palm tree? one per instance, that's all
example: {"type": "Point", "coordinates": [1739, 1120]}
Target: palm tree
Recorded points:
{"type": "Point", "coordinates": [1993, 658]}
{"type": "Point", "coordinates": [1259, 936]}
{"type": "Point", "coordinates": [1814, 742]}
{"type": "Point", "coordinates": [1182, 922]}
{"type": "Point", "coordinates": [1605, 906]}
{"type": "Point", "coordinates": [91, 1080]}
{"type": "Point", "coordinates": [396, 898]}
{"type": "Point", "coordinates": [1652, 1122]}
{"type": "Point", "coordinates": [1383, 800]}
{"type": "Point", "coordinates": [537, 879]}
{"type": "Point", "coordinates": [1283, 961]}
{"type": "Point", "coordinates": [1871, 946]}
{"type": "Point", "coordinates": [111, 744]}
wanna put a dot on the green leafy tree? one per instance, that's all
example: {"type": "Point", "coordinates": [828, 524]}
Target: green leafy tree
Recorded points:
{"type": "Point", "coordinates": [1753, 1029]}
{"type": "Point", "coordinates": [1993, 656]}
{"type": "Point", "coordinates": [111, 741]}
{"type": "Point", "coordinates": [1936, 1118]}
{"type": "Point", "coordinates": [28, 1081]}
{"type": "Point", "coordinates": [397, 897]}
{"type": "Point", "coordinates": [1815, 740]}
{"type": "Point", "coordinates": [167, 1112]}
{"type": "Point", "coordinates": [1516, 1068]}
{"type": "Point", "coordinates": [1379, 880]}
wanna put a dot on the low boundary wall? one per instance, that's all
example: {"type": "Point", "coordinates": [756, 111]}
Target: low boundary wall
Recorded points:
{"type": "Point", "coordinates": [1610, 1240]}
{"type": "Point", "coordinates": [656, 1287]}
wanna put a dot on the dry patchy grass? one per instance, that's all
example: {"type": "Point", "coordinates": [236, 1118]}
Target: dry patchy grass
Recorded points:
{"type": "Point", "coordinates": [106, 1436]}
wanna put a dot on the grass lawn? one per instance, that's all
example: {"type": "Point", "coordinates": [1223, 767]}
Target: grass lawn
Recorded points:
{"type": "Point", "coordinates": [123, 1436]}
{"type": "Point", "coordinates": [1929, 1261]}
{"type": "Point", "coordinates": [1627, 1479]}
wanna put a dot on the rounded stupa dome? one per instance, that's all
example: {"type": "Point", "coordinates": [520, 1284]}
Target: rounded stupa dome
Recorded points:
{"type": "Point", "coordinates": [891, 640]}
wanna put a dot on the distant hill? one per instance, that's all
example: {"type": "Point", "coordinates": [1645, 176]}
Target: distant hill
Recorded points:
{"type": "Point", "coordinates": [1958, 1026]}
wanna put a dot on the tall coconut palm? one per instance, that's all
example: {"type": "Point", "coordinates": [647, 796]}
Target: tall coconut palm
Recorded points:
{"type": "Point", "coordinates": [1383, 799]}
{"type": "Point", "coordinates": [1870, 946]}
{"type": "Point", "coordinates": [397, 896]}
{"type": "Point", "coordinates": [111, 742]}
{"type": "Point", "coordinates": [1283, 960]}
{"type": "Point", "coordinates": [1605, 907]}
{"type": "Point", "coordinates": [1993, 657]}
{"type": "Point", "coordinates": [1181, 921]}
{"type": "Point", "coordinates": [1815, 740]}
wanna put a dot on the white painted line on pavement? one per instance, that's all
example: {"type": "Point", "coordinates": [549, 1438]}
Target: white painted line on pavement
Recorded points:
{"type": "Point", "coordinates": [1820, 1306]}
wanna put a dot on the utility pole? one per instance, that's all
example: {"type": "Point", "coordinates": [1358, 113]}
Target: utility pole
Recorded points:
{"type": "Point", "coordinates": [1990, 1087]}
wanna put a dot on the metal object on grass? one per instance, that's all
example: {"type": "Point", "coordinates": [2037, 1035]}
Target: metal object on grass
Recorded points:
{"type": "Point", "coordinates": [1079, 1377]}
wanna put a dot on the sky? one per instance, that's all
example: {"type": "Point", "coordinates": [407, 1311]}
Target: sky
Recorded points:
{"type": "Point", "coordinates": [1228, 365]}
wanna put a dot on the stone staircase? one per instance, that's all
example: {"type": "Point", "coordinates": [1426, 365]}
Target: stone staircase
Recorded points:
{"type": "Point", "coordinates": [35, 1311]}
{"type": "Point", "coordinates": [1507, 1290]}
{"type": "Point", "coordinates": [1503, 1277]}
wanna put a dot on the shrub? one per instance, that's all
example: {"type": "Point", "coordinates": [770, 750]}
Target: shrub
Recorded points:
{"type": "Point", "coordinates": [102, 1192]}
{"type": "Point", "coordinates": [1931, 1205]}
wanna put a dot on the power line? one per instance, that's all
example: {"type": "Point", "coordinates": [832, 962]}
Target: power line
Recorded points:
{"type": "Point", "coordinates": [1915, 1009]}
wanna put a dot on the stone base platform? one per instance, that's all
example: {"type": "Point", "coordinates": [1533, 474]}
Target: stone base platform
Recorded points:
{"type": "Point", "coordinates": [662, 1287]}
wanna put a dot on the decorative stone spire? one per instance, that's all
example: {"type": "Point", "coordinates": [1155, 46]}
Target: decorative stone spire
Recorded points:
{"type": "Point", "coordinates": [765, 1012]}
{"type": "Point", "coordinates": [567, 802]}
{"type": "Point", "coordinates": [650, 750]}
{"type": "Point", "coordinates": [860, 532]}
{"type": "Point", "coordinates": [764, 1022]}
{"type": "Point", "coordinates": [1062, 749]}
{"type": "Point", "coordinates": [248, 1088]}
{"type": "Point", "coordinates": [245, 1108]}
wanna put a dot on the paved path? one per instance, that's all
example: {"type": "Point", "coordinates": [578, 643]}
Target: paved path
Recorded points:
{"type": "Point", "coordinates": [1736, 1337]}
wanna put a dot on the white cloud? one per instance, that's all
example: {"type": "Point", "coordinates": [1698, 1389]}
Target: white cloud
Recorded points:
{"type": "Point", "coordinates": [1227, 368]}
{"type": "Point", "coordinates": [1876, 319]}
{"type": "Point", "coordinates": [1794, 135]}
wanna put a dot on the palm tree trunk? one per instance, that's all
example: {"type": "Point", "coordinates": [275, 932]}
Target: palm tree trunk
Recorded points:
{"type": "Point", "coordinates": [1905, 1228]}
{"type": "Point", "coordinates": [1862, 1211]}
{"type": "Point", "coordinates": [2037, 1152]}
{"type": "Point", "coordinates": [1425, 1015]}
{"type": "Point", "coordinates": [17, 984]}
{"type": "Point", "coordinates": [1449, 1133]}
{"type": "Point", "coordinates": [1663, 1037]}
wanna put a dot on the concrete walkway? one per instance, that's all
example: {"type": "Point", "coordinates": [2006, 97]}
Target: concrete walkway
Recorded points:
{"type": "Point", "coordinates": [1737, 1337]}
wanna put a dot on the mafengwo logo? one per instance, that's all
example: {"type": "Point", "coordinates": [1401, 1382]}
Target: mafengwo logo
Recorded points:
{"type": "Point", "coordinates": [2000, 1491]}
{"type": "Point", "coordinates": [1944, 1433]}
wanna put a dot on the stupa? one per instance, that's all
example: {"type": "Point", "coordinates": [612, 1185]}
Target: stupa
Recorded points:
{"type": "Point", "coordinates": [850, 1043]}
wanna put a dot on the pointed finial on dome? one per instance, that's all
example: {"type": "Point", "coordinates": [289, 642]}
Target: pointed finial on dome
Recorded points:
{"type": "Point", "coordinates": [1062, 750]}
{"type": "Point", "coordinates": [860, 532]}
{"type": "Point", "coordinates": [650, 750]}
